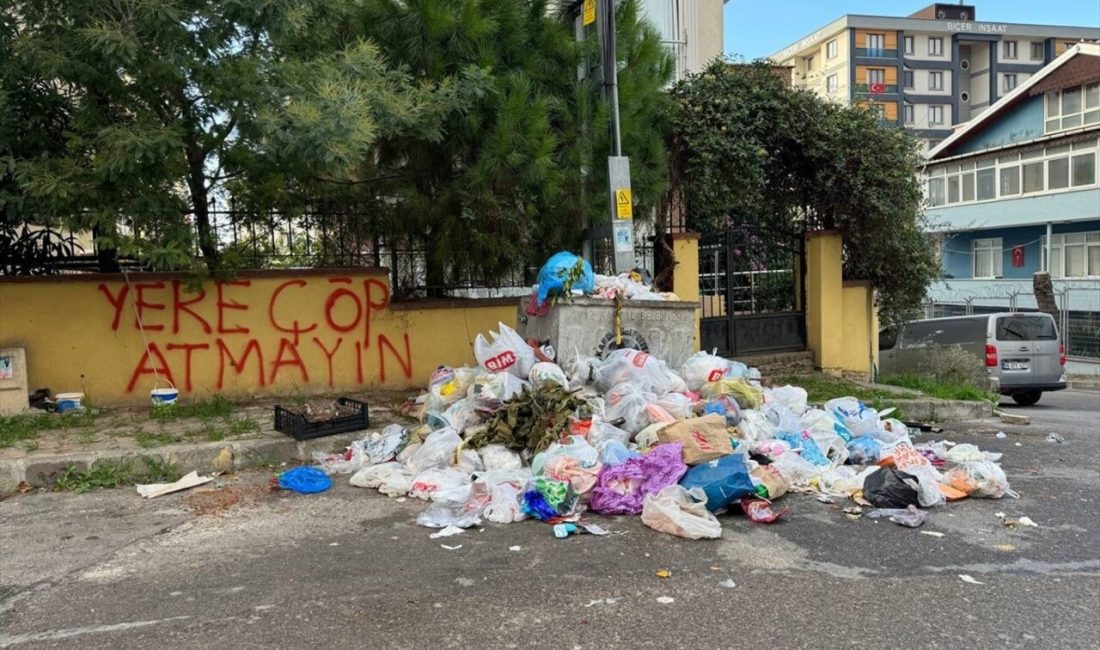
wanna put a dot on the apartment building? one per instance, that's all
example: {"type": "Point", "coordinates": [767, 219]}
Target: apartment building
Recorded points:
{"type": "Point", "coordinates": [929, 71]}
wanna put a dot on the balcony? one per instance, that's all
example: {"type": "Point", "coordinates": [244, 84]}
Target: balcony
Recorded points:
{"type": "Point", "coordinates": [876, 53]}
{"type": "Point", "coordinates": [866, 89]}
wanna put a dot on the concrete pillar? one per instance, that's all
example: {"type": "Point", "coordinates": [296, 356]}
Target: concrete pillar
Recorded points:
{"type": "Point", "coordinates": [825, 299]}
{"type": "Point", "coordinates": [685, 274]}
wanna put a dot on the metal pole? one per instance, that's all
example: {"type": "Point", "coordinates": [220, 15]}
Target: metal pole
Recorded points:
{"type": "Point", "coordinates": [611, 68]}
{"type": "Point", "coordinates": [1050, 261]}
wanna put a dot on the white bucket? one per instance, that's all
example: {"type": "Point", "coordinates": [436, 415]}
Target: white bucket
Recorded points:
{"type": "Point", "coordinates": [164, 396]}
{"type": "Point", "coordinates": [69, 402]}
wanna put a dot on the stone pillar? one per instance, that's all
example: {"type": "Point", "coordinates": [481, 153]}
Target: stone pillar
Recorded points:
{"type": "Point", "coordinates": [685, 273]}
{"type": "Point", "coordinates": [825, 299]}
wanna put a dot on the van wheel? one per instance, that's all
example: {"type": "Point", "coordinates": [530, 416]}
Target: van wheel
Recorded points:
{"type": "Point", "coordinates": [1026, 397]}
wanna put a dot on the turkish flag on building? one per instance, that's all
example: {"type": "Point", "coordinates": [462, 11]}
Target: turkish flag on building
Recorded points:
{"type": "Point", "coordinates": [1017, 257]}
{"type": "Point", "coordinates": [878, 88]}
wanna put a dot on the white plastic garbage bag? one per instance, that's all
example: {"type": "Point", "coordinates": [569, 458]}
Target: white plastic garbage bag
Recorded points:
{"type": "Point", "coordinates": [441, 515]}
{"type": "Point", "coordinates": [490, 389]}
{"type": "Point", "coordinates": [627, 401]}
{"type": "Point", "coordinates": [701, 368]}
{"type": "Point", "coordinates": [602, 432]}
{"type": "Point", "coordinates": [680, 512]}
{"type": "Point", "coordinates": [755, 426]}
{"type": "Point", "coordinates": [545, 373]}
{"type": "Point", "coordinates": [793, 397]}
{"type": "Point", "coordinates": [678, 405]}
{"type": "Point", "coordinates": [504, 504]}
{"type": "Point", "coordinates": [507, 352]}
{"type": "Point", "coordinates": [797, 470]}
{"type": "Point", "coordinates": [495, 457]}
{"type": "Point", "coordinates": [437, 450]}
{"type": "Point", "coordinates": [433, 480]}
{"type": "Point", "coordinates": [632, 366]}
{"type": "Point", "coordinates": [376, 475]}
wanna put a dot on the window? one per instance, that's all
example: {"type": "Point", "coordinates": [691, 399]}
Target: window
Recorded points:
{"type": "Point", "coordinates": [987, 184]}
{"type": "Point", "coordinates": [831, 49]}
{"type": "Point", "coordinates": [907, 112]}
{"type": "Point", "coordinates": [876, 76]}
{"type": "Point", "coordinates": [909, 47]}
{"type": "Point", "coordinates": [1009, 82]}
{"type": "Point", "coordinates": [1026, 328]}
{"type": "Point", "coordinates": [1010, 180]}
{"type": "Point", "coordinates": [935, 191]}
{"type": "Point", "coordinates": [932, 144]}
{"type": "Point", "coordinates": [1038, 52]}
{"type": "Point", "coordinates": [1084, 169]}
{"type": "Point", "coordinates": [968, 186]}
{"type": "Point", "coordinates": [1033, 177]}
{"type": "Point", "coordinates": [987, 258]}
{"type": "Point", "coordinates": [952, 189]}
{"type": "Point", "coordinates": [810, 62]}
{"type": "Point", "coordinates": [831, 84]}
{"type": "Point", "coordinates": [1075, 255]}
{"type": "Point", "coordinates": [935, 114]}
{"type": "Point", "coordinates": [1009, 49]}
{"type": "Point", "coordinates": [1071, 108]}
{"type": "Point", "coordinates": [935, 81]}
{"type": "Point", "coordinates": [907, 78]}
{"type": "Point", "coordinates": [876, 44]}
{"type": "Point", "coordinates": [935, 46]}
{"type": "Point", "coordinates": [1058, 173]}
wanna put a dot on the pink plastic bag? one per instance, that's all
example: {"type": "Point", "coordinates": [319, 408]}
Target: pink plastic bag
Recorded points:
{"type": "Point", "coordinates": [621, 489]}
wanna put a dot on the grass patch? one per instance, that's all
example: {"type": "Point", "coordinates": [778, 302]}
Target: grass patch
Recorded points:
{"type": "Point", "coordinates": [239, 426]}
{"type": "Point", "coordinates": [822, 388]}
{"type": "Point", "coordinates": [17, 428]}
{"type": "Point", "coordinates": [205, 409]}
{"type": "Point", "coordinates": [146, 440]}
{"type": "Point", "coordinates": [940, 389]}
{"type": "Point", "coordinates": [113, 474]}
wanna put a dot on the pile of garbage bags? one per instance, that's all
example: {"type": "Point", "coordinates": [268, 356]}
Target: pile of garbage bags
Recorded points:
{"type": "Point", "coordinates": [516, 438]}
{"type": "Point", "coordinates": [566, 274]}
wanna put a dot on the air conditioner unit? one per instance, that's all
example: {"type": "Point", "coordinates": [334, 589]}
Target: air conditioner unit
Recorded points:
{"type": "Point", "coordinates": [964, 64]}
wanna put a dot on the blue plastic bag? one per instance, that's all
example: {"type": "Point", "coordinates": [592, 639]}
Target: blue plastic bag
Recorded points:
{"type": "Point", "coordinates": [616, 453]}
{"type": "Point", "coordinates": [864, 450]}
{"type": "Point", "coordinates": [305, 480]}
{"type": "Point", "coordinates": [553, 274]}
{"type": "Point", "coordinates": [806, 446]}
{"type": "Point", "coordinates": [725, 480]}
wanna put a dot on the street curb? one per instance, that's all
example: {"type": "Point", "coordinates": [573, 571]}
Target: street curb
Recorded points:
{"type": "Point", "coordinates": [942, 410]}
{"type": "Point", "coordinates": [43, 470]}
{"type": "Point", "coordinates": [1084, 384]}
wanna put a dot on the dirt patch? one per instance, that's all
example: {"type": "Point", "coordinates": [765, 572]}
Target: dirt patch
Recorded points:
{"type": "Point", "coordinates": [219, 501]}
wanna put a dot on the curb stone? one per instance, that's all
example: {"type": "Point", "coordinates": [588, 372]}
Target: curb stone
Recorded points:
{"type": "Point", "coordinates": [43, 470]}
{"type": "Point", "coordinates": [942, 410]}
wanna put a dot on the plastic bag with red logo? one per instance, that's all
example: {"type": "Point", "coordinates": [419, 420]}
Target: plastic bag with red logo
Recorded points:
{"type": "Point", "coordinates": [507, 352]}
{"type": "Point", "coordinates": [633, 366]}
{"type": "Point", "coordinates": [702, 367]}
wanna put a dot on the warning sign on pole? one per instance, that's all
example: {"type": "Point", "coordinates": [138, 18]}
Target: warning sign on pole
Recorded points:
{"type": "Point", "coordinates": [589, 12]}
{"type": "Point", "coordinates": [624, 209]}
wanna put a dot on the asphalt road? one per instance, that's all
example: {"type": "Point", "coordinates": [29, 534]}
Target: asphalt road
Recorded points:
{"type": "Point", "coordinates": [349, 568]}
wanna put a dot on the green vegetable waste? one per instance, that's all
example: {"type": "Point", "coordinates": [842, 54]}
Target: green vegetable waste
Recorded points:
{"type": "Point", "coordinates": [532, 420]}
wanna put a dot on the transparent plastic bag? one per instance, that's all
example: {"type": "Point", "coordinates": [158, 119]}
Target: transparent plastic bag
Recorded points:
{"type": "Point", "coordinates": [469, 462]}
{"type": "Point", "coordinates": [678, 405]}
{"type": "Point", "coordinates": [441, 515]}
{"type": "Point", "coordinates": [614, 452]}
{"type": "Point", "coordinates": [544, 373]}
{"type": "Point", "coordinates": [646, 372]}
{"type": "Point", "coordinates": [580, 369]}
{"type": "Point", "coordinates": [797, 470]}
{"type": "Point", "coordinates": [980, 478]}
{"type": "Point", "coordinates": [496, 457]}
{"type": "Point", "coordinates": [627, 401]}
{"type": "Point", "coordinates": [504, 504]}
{"type": "Point", "coordinates": [677, 511]}
{"type": "Point", "coordinates": [437, 450]}
{"type": "Point", "coordinates": [374, 476]}
{"type": "Point", "coordinates": [491, 389]}
{"type": "Point", "coordinates": [864, 450]}
{"type": "Point", "coordinates": [507, 352]}
{"type": "Point", "coordinates": [755, 426]}
{"type": "Point", "coordinates": [352, 459]}
{"type": "Point", "coordinates": [929, 494]}
{"type": "Point", "coordinates": [792, 397]}
{"type": "Point", "coordinates": [968, 453]}
{"type": "Point", "coordinates": [858, 417]}
{"type": "Point", "coordinates": [603, 432]}
{"type": "Point", "coordinates": [427, 483]}
{"type": "Point", "coordinates": [823, 425]}
{"type": "Point", "coordinates": [701, 368]}
{"type": "Point", "coordinates": [578, 448]}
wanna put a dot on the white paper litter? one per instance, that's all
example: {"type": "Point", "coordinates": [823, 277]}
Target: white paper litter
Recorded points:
{"type": "Point", "coordinates": [451, 548]}
{"type": "Point", "coordinates": [969, 579]}
{"type": "Point", "coordinates": [931, 533]}
{"type": "Point", "coordinates": [447, 532]}
{"type": "Point", "coordinates": [665, 600]}
{"type": "Point", "coordinates": [151, 490]}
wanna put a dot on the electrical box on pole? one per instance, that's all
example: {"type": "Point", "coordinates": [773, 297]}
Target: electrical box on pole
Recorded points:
{"type": "Point", "coordinates": [622, 212]}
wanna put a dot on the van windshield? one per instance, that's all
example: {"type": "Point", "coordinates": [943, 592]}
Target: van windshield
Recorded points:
{"type": "Point", "coordinates": [1026, 328]}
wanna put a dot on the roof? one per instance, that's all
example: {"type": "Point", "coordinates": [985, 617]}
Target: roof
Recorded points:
{"type": "Point", "coordinates": [1039, 80]}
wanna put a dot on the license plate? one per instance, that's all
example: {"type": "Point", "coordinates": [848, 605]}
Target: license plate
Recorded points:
{"type": "Point", "coordinates": [1014, 365]}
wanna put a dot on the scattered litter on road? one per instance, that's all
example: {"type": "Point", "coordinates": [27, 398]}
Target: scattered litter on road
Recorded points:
{"type": "Point", "coordinates": [825, 499]}
{"type": "Point", "coordinates": [664, 573]}
{"type": "Point", "coordinates": [666, 600]}
{"type": "Point", "coordinates": [911, 517]}
{"type": "Point", "coordinates": [449, 531]}
{"type": "Point", "coordinates": [152, 490]}
{"type": "Point", "coordinates": [1026, 521]}
{"type": "Point", "coordinates": [1011, 418]}
{"type": "Point", "coordinates": [728, 584]}
{"type": "Point", "coordinates": [969, 579]}
{"type": "Point", "coordinates": [1056, 437]}
{"type": "Point", "coordinates": [305, 480]}
{"type": "Point", "coordinates": [602, 601]}
{"type": "Point", "coordinates": [1005, 548]}
{"type": "Point", "coordinates": [1001, 434]}
{"type": "Point", "coordinates": [451, 548]}
{"type": "Point", "coordinates": [931, 533]}
{"type": "Point", "coordinates": [515, 548]}
{"type": "Point", "coordinates": [1018, 521]}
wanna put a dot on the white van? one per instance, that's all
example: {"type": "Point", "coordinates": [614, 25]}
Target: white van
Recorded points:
{"type": "Point", "coordinates": [1022, 353]}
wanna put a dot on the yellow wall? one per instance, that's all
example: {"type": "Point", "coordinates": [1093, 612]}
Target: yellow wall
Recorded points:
{"type": "Point", "coordinates": [841, 323]}
{"type": "Point", "coordinates": [685, 277]}
{"type": "Point", "coordinates": [300, 330]}
{"type": "Point", "coordinates": [890, 38]}
{"type": "Point", "coordinates": [890, 73]}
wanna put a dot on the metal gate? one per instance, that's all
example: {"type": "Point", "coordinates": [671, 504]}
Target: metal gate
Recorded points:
{"type": "Point", "coordinates": [752, 288]}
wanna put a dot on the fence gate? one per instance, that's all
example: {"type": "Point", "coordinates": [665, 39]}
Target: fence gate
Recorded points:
{"type": "Point", "coordinates": [752, 291]}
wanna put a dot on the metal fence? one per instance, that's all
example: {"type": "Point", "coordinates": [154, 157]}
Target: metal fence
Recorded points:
{"type": "Point", "coordinates": [1080, 329]}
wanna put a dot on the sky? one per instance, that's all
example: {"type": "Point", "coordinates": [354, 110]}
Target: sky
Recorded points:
{"type": "Point", "coordinates": [758, 28]}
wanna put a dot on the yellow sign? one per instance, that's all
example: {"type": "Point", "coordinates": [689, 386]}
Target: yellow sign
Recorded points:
{"type": "Point", "coordinates": [623, 207]}
{"type": "Point", "coordinates": [589, 12]}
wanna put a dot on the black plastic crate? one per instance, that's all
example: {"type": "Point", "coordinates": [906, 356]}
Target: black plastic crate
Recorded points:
{"type": "Point", "coordinates": [297, 426]}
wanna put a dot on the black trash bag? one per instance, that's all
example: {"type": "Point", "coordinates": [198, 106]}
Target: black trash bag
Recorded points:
{"type": "Point", "coordinates": [891, 488]}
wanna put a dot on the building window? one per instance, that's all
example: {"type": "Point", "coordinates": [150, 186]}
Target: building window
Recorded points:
{"type": "Point", "coordinates": [935, 114]}
{"type": "Point", "coordinates": [935, 189]}
{"type": "Point", "coordinates": [1009, 81]}
{"type": "Point", "coordinates": [831, 49]}
{"type": "Point", "coordinates": [1058, 173]}
{"type": "Point", "coordinates": [1038, 52]}
{"type": "Point", "coordinates": [831, 84]}
{"type": "Point", "coordinates": [1033, 177]}
{"type": "Point", "coordinates": [876, 76]}
{"type": "Point", "coordinates": [987, 257]}
{"type": "Point", "coordinates": [1010, 180]}
{"type": "Point", "coordinates": [1071, 108]}
{"type": "Point", "coordinates": [1084, 169]}
{"type": "Point", "coordinates": [935, 46]}
{"type": "Point", "coordinates": [1010, 50]}
{"type": "Point", "coordinates": [909, 46]}
{"type": "Point", "coordinates": [987, 184]}
{"type": "Point", "coordinates": [935, 81]}
{"type": "Point", "coordinates": [876, 44]}
{"type": "Point", "coordinates": [908, 113]}
{"type": "Point", "coordinates": [1075, 255]}
{"type": "Point", "coordinates": [907, 78]}
{"type": "Point", "coordinates": [932, 144]}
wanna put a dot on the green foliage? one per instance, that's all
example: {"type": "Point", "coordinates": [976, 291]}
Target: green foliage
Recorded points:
{"type": "Point", "coordinates": [750, 150]}
{"type": "Point", "coordinates": [214, 407]}
{"type": "Point", "coordinates": [112, 474]}
{"type": "Point", "coordinates": [17, 428]}
{"type": "Point", "coordinates": [941, 389]}
{"type": "Point", "coordinates": [822, 388]}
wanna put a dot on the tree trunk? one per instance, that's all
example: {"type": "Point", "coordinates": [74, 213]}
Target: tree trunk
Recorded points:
{"type": "Point", "coordinates": [1044, 295]}
{"type": "Point", "coordinates": [200, 205]}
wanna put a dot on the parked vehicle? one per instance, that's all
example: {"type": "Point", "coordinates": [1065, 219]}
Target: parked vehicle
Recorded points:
{"type": "Point", "coordinates": [1023, 355]}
